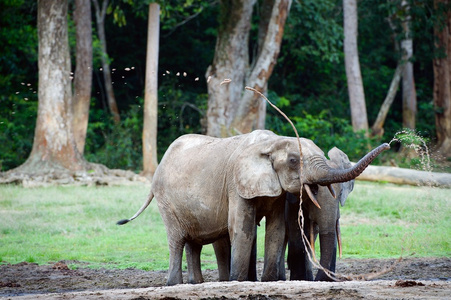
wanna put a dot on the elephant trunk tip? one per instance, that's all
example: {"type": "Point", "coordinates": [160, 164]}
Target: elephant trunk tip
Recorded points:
{"type": "Point", "coordinates": [122, 222]}
{"type": "Point", "coordinates": [385, 146]}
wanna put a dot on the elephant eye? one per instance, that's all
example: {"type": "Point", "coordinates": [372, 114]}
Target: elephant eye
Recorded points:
{"type": "Point", "coordinates": [294, 162]}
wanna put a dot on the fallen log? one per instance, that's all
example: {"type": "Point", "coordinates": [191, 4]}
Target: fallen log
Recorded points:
{"type": "Point", "coordinates": [406, 176]}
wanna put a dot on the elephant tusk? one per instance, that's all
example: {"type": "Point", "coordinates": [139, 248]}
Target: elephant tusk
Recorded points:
{"type": "Point", "coordinates": [311, 195]}
{"type": "Point", "coordinates": [332, 191]}
{"type": "Point", "coordinates": [339, 238]}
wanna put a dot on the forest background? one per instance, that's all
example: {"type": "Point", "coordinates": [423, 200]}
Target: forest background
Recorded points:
{"type": "Point", "coordinates": [308, 82]}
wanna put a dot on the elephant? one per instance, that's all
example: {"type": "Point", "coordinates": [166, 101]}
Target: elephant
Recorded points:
{"type": "Point", "coordinates": [210, 189]}
{"type": "Point", "coordinates": [324, 221]}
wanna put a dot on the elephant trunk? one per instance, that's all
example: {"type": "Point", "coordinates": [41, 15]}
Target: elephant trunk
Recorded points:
{"type": "Point", "coordinates": [328, 246]}
{"type": "Point", "coordinates": [326, 175]}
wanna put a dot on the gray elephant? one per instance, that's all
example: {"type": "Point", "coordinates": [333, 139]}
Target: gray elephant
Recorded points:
{"type": "Point", "coordinates": [210, 189]}
{"type": "Point", "coordinates": [324, 221]}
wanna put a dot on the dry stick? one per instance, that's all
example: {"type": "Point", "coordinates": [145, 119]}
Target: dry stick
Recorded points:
{"type": "Point", "coordinates": [332, 275]}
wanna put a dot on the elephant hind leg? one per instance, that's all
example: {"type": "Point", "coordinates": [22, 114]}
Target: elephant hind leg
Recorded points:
{"type": "Point", "coordinates": [193, 251]}
{"type": "Point", "coordinates": [175, 262]}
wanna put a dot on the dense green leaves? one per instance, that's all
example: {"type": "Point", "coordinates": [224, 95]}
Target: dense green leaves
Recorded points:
{"type": "Point", "coordinates": [308, 82]}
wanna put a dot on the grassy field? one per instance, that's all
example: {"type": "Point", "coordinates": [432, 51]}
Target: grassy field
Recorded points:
{"type": "Point", "coordinates": [78, 223]}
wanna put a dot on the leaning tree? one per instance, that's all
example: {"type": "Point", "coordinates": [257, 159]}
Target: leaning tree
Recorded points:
{"type": "Point", "coordinates": [231, 109]}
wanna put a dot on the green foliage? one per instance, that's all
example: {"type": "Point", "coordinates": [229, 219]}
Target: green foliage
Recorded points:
{"type": "Point", "coordinates": [326, 130]}
{"type": "Point", "coordinates": [116, 146]}
{"type": "Point", "coordinates": [18, 80]}
{"type": "Point", "coordinates": [120, 146]}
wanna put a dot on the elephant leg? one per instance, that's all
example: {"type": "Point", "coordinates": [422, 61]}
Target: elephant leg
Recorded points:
{"type": "Point", "coordinates": [297, 259]}
{"type": "Point", "coordinates": [193, 251]}
{"type": "Point", "coordinates": [252, 272]}
{"type": "Point", "coordinates": [242, 231]}
{"type": "Point", "coordinates": [175, 261]}
{"type": "Point", "coordinates": [274, 242]}
{"type": "Point", "coordinates": [328, 246]}
{"type": "Point", "coordinates": [222, 252]}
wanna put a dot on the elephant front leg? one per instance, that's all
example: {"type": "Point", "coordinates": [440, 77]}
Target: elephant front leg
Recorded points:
{"type": "Point", "coordinates": [193, 251]}
{"type": "Point", "coordinates": [242, 231]}
{"type": "Point", "coordinates": [273, 269]}
{"type": "Point", "coordinates": [222, 252]}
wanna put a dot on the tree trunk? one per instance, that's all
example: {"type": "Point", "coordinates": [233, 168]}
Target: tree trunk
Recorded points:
{"type": "Point", "coordinates": [54, 143]}
{"type": "Point", "coordinates": [352, 64]}
{"type": "Point", "coordinates": [409, 94]}
{"type": "Point", "coordinates": [231, 110]}
{"type": "Point", "coordinates": [405, 176]}
{"type": "Point", "coordinates": [442, 80]}
{"type": "Point", "coordinates": [100, 20]}
{"type": "Point", "coordinates": [378, 127]}
{"type": "Point", "coordinates": [83, 72]}
{"type": "Point", "coordinates": [252, 109]}
{"type": "Point", "coordinates": [150, 162]}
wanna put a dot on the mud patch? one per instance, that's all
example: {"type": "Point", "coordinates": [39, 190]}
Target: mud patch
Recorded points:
{"type": "Point", "coordinates": [413, 278]}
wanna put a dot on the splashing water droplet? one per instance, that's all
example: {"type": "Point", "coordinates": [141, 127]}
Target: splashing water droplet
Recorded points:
{"type": "Point", "coordinates": [412, 140]}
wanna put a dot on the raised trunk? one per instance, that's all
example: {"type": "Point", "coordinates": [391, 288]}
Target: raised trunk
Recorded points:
{"type": "Point", "coordinates": [324, 175]}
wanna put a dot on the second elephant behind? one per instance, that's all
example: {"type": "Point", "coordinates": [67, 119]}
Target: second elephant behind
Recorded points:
{"type": "Point", "coordinates": [324, 221]}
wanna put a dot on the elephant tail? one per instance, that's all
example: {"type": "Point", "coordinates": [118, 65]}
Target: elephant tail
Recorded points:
{"type": "Point", "coordinates": [143, 207]}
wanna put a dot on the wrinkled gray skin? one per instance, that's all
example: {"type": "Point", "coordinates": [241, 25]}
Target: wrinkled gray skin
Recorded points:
{"type": "Point", "coordinates": [212, 189]}
{"type": "Point", "coordinates": [324, 221]}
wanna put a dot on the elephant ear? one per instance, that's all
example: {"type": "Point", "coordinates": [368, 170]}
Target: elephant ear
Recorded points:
{"type": "Point", "coordinates": [254, 175]}
{"type": "Point", "coordinates": [341, 160]}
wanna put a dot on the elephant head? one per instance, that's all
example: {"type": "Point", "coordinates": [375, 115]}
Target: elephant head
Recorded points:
{"type": "Point", "coordinates": [275, 167]}
{"type": "Point", "coordinates": [324, 221]}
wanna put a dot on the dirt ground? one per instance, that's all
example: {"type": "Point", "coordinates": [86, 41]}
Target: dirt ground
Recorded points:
{"type": "Point", "coordinates": [412, 278]}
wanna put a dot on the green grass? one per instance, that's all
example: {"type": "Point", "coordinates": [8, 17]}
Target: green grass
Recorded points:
{"type": "Point", "coordinates": [49, 224]}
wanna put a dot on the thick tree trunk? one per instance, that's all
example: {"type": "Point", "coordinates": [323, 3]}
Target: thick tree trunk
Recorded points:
{"type": "Point", "coordinates": [442, 81]}
{"type": "Point", "coordinates": [231, 110]}
{"type": "Point", "coordinates": [150, 162]}
{"type": "Point", "coordinates": [251, 111]}
{"type": "Point", "coordinates": [83, 72]}
{"type": "Point", "coordinates": [100, 20]}
{"type": "Point", "coordinates": [352, 64]}
{"type": "Point", "coordinates": [230, 62]}
{"type": "Point", "coordinates": [54, 143]}
{"type": "Point", "coordinates": [409, 94]}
